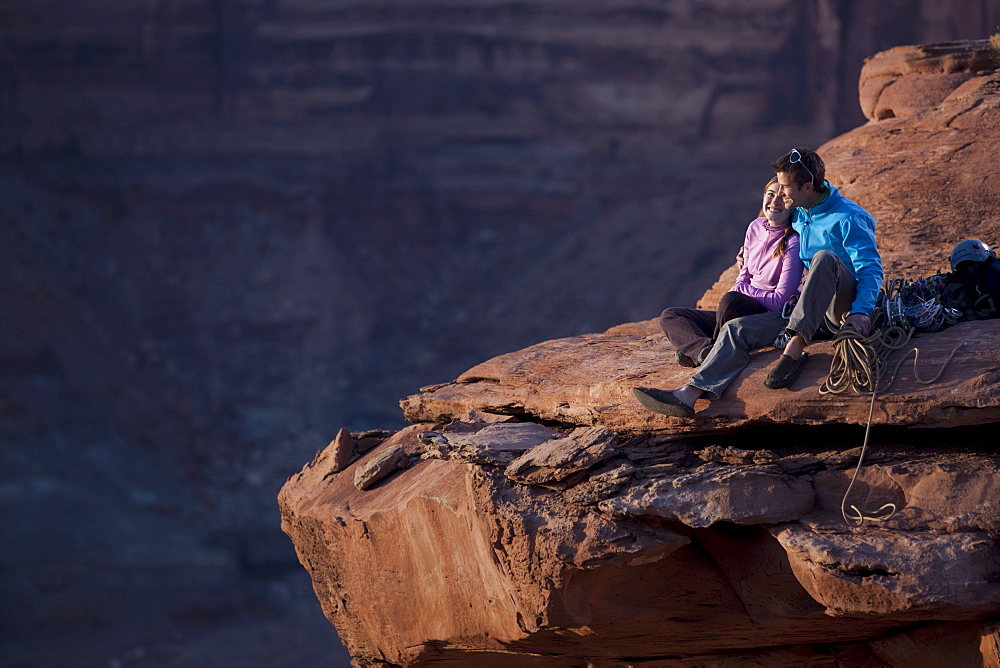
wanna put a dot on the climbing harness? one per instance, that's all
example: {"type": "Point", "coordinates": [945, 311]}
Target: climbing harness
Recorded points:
{"type": "Point", "coordinates": [860, 363]}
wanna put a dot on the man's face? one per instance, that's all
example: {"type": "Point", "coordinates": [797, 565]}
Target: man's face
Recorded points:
{"type": "Point", "coordinates": [794, 194]}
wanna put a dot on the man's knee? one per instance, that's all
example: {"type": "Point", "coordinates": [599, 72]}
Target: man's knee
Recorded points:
{"type": "Point", "coordinates": [824, 259]}
{"type": "Point", "coordinates": [826, 274]}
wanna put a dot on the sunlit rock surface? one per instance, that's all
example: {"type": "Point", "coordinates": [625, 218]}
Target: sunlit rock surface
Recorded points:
{"type": "Point", "coordinates": [544, 518]}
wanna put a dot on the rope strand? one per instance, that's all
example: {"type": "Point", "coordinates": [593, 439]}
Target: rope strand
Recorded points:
{"type": "Point", "coordinates": [860, 363]}
{"type": "Point", "coordinates": [860, 517]}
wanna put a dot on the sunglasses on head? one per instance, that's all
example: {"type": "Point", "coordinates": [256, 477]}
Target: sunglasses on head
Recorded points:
{"type": "Point", "coordinates": [795, 157]}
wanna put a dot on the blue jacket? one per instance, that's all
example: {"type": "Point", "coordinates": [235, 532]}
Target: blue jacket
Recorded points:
{"type": "Point", "coordinates": [839, 225]}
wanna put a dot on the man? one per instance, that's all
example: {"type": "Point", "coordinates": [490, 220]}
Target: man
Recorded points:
{"type": "Point", "coordinates": [837, 246]}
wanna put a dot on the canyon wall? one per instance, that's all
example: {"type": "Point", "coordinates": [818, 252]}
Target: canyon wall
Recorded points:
{"type": "Point", "coordinates": [230, 228]}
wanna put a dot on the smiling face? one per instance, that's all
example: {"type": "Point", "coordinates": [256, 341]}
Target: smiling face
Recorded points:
{"type": "Point", "coordinates": [796, 194]}
{"type": "Point", "coordinates": [775, 209]}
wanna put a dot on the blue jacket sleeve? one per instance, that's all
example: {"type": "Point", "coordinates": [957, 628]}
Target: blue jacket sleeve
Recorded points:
{"type": "Point", "coordinates": [859, 241]}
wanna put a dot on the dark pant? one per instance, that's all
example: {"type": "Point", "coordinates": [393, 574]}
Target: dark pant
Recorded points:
{"type": "Point", "coordinates": [690, 330]}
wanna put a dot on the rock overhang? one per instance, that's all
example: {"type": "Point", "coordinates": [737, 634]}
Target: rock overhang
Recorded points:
{"type": "Point", "coordinates": [593, 530]}
{"type": "Point", "coordinates": [588, 380]}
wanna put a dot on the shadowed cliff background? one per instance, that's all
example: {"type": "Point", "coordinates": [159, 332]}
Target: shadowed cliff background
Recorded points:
{"type": "Point", "coordinates": [229, 228]}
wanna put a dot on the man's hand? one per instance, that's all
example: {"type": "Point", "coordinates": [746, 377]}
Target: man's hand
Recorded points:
{"type": "Point", "coordinates": [860, 322]}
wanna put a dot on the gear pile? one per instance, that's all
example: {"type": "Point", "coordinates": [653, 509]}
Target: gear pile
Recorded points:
{"type": "Point", "coordinates": [926, 304]}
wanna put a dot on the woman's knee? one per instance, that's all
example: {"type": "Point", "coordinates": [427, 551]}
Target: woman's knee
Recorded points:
{"type": "Point", "coordinates": [733, 299]}
{"type": "Point", "coordinates": [670, 312]}
{"type": "Point", "coordinates": [736, 304]}
{"type": "Point", "coordinates": [669, 315]}
{"type": "Point", "coordinates": [671, 321]}
{"type": "Point", "coordinates": [729, 299]}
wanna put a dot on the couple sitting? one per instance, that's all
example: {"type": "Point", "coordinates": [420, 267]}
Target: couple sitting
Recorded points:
{"type": "Point", "coordinates": [805, 222]}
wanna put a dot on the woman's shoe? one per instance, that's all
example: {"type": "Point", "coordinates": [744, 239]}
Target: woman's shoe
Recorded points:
{"type": "Point", "coordinates": [684, 360]}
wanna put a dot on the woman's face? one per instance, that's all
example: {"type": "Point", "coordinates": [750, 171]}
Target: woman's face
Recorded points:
{"type": "Point", "coordinates": [774, 206]}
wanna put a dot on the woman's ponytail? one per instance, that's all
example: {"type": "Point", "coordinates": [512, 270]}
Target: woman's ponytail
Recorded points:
{"type": "Point", "coordinates": [783, 244]}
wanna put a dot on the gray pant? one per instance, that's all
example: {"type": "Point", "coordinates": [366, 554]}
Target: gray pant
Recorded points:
{"type": "Point", "coordinates": [826, 300]}
{"type": "Point", "coordinates": [731, 352]}
{"type": "Point", "coordinates": [826, 297]}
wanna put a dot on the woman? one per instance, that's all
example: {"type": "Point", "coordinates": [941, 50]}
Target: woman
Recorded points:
{"type": "Point", "coordinates": [769, 276]}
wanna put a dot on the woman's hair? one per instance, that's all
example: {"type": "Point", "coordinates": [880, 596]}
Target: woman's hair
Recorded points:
{"type": "Point", "coordinates": [783, 244]}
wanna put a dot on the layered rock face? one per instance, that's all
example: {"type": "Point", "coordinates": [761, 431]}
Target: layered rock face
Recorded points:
{"type": "Point", "coordinates": [534, 514]}
{"type": "Point", "coordinates": [230, 227]}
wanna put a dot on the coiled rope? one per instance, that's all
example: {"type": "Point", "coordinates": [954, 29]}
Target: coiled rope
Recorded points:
{"type": "Point", "coordinates": [860, 363]}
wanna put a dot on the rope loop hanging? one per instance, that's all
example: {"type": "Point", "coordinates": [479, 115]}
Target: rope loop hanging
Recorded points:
{"type": "Point", "coordinates": [860, 363]}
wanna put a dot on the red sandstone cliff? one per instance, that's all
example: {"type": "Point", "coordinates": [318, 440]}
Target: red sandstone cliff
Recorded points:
{"type": "Point", "coordinates": [231, 226]}
{"type": "Point", "coordinates": [535, 515]}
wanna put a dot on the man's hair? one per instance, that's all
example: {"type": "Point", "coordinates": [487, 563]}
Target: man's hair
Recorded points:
{"type": "Point", "coordinates": [809, 161]}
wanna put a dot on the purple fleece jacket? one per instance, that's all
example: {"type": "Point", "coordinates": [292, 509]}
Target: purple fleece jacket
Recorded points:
{"type": "Point", "coordinates": [769, 280]}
